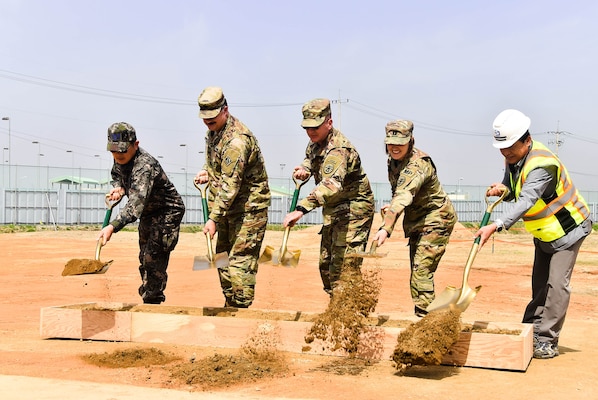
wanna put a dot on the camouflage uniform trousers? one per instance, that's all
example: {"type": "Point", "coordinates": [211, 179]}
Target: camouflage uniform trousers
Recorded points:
{"type": "Point", "coordinates": [241, 236]}
{"type": "Point", "coordinates": [158, 236]}
{"type": "Point", "coordinates": [343, 235]}
{"type": "Point", "coordinates": [425, 251]}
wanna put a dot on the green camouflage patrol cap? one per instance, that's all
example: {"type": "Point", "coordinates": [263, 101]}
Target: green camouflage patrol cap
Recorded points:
{"type": "Point", "coordinates": [315, 112]}
{"type": "Point", "coordinates": [120, 137]}
{"type": "Point", "coordinates": [398, 132]}
{"type": "Point", "coordinates": [211, 100]}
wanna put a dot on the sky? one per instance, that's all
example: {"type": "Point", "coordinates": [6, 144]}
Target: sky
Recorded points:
{"type": "Point", "coordinates": [70, 68]}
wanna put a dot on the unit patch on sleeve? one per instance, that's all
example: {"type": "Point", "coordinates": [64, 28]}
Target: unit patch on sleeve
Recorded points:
{"type": "Point", "coordinates": [331, 164]}
{"type": "Point", "coordinates": [229, 161]}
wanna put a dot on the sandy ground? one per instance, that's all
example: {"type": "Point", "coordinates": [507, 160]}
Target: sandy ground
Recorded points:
{"type": "Point", "coordinates": [30, 272]}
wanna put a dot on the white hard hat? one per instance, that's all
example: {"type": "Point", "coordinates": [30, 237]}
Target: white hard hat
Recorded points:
{"type": "Point", "coordinates": [508, 127]}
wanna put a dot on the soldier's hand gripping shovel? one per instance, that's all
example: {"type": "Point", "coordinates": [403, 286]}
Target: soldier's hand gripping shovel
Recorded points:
{"type": "Point", "coordinates": [212, 260]}
{"type": "Point", "coordinates": [283, 256]}
{"type": "Point", "coordinates": [83, 266]}
{"type": "Point", "coordinates": [462, 298]}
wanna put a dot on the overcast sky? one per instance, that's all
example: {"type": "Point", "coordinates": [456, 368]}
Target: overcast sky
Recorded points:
{"type": "Point", "coordinates": [70, 68]}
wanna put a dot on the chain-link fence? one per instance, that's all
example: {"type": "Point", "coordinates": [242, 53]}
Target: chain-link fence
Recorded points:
{"type": "Point", "coordinates": [62, 196]}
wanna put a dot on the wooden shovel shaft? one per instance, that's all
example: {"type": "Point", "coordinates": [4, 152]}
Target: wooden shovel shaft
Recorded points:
{"type": "Point", "coordinates": [206, 217]}
{"type": "Point", "coordinates": [287, 230]}
{"type": "Point", "coordinates": [285, 239]}
{"type": "Point", "coordinates": [210, 250]}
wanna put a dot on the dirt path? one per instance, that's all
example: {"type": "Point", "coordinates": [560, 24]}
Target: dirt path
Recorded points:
{"type": "Point", "coordinates": [31, 275]}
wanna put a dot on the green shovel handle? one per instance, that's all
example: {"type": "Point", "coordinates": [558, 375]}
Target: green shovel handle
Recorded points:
{"type": "Point", "coordinates": [204, 200]}
{"type": "Point", "coordinates": [298, 184]}
{"type": "Point", "coordinates": [110, 205]}
{"type": "Point", "coordinates": [489, 208]}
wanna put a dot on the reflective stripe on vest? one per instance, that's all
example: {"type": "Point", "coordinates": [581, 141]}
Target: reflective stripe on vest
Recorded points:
{"type": "Point", "coordinates": [552, 217]}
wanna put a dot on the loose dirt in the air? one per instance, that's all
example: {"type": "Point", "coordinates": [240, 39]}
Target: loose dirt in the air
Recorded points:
{"type": "Point", "coordinates": [428, 340]}
{"type": "Point", "coordinates": [342, 325]}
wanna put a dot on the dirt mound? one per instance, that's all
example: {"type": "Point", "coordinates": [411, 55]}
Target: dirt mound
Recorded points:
{"type": "Point", "coordinates": [428, 340]}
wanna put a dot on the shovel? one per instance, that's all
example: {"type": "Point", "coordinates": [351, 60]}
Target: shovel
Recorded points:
{"type": "Point", "coordinates": [367, 254]}
{"type": "Point", "coordinates": [372, 252]}
{"type": "Point", "coordinates": [460, 299]}
{"type": "Point", "coordinates": [287, 258]}
{"type": "Point", "coordinates": [86, 266]}
{"type": "Point", "coordinates": [211, 260]}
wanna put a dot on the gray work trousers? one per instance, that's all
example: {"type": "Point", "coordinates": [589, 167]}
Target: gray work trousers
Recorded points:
{"type": "Point", "coordinates": [551, 291]}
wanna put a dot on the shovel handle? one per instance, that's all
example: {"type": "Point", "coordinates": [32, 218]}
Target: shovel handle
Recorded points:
{"type": "Point", "coordinates": [206, 215]}
{"type": "Point", "coordinates": [489, 207]}
{"type": "Point", "coordinates": [109, 206]}
{"type": "Point", "coordinates": [285, 239]}
{"type": "Point", "coordinates": [204, 200]}
{"type": "Point", "coordinates": [298, 184]}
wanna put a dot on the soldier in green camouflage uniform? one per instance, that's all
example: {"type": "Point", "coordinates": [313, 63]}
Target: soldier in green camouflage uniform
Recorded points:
{"type": "Point", "coordinates": [342, 190]}
{"type": "Point", "coordinates": [429, 214]}
{"type": "Point", "coordinates": [239, 196]}
{"type": "Point", "coordinates": [152, 199]}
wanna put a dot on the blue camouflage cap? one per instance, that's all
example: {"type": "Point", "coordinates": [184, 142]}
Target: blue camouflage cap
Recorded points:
{"type": "Point", "coordinates": [120, 136]}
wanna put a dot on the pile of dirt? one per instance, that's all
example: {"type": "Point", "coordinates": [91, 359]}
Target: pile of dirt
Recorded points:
{"type": "Point", "coordinates": [257, 359]}
{"type": "Point", "coordinates": [428, 340]}
{"type": "Point", "coordinates": [342, 324]}
{"type": "Point", "coordinates": [128, 358]}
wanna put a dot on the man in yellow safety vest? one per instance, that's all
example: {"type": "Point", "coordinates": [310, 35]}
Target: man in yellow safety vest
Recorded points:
{"type": "Point", "coordinates": [553, 211]}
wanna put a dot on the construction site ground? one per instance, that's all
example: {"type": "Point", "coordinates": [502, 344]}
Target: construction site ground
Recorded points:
{"type": "Point", "coordinates": [35, 368]}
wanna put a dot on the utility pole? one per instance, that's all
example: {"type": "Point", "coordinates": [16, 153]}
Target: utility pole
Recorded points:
{"type": "Point", "coordinates": [9, 148]}
{"type": "Point", "coordinates": [339, 101]}
{"type": "Point", "coordinates": [557, 138]}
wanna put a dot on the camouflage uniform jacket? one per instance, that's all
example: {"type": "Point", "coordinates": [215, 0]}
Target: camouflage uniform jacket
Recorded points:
{"type": "Point", "coordinates": [236, 169]}
{"type": "Point", "coordinates": [417, 191]}
{"type": "Point", "coordinates": [341, 183]}
{"type": "Point", "coordinates": [148, 189]}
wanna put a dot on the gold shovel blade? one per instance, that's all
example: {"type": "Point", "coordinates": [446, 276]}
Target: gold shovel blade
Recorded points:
{"type": "Point", "coordinates": [448, 296]}
{"type": "Point", "coordinates": [452, 297]}
{"type": "Point", "coordinates": [289, 258]}
{"type": "Point", "coordinates": [267, 254]}
{"type": "Point", "coordinates": [201, 263]}
{"type": "Point", "coordinates": [466, 298]}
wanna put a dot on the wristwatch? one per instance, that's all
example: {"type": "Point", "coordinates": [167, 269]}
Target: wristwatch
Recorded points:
{"type": "Point", "coordinates": [499, 225]}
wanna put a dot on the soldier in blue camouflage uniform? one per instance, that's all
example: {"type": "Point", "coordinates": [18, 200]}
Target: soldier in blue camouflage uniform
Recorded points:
{"type": "Point", "coordinates": [429, 214]}
{"type": "Point", "coordinates": [239, 196]}
{"type": "Point", "coordinates": [342, 190]}
{"type": "Point", "coordinates": [152, 199]}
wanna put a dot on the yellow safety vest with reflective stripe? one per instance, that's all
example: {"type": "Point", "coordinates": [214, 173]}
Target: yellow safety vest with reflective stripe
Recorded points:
{"type": "Point", "coordinates": [554, 216]}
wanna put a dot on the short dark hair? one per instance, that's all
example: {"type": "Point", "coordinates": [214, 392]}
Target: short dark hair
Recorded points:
{"type": "Point", "coordinates": [523, 138]}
